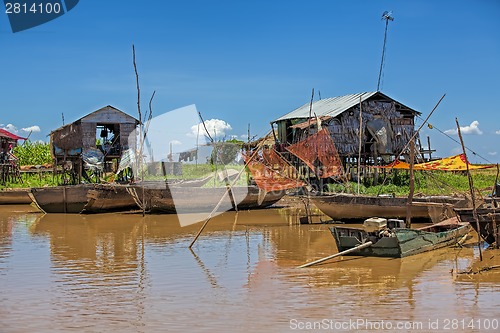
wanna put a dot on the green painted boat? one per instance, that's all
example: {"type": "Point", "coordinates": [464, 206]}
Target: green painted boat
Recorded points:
{"type": "Point", "coordinates": [397, 242]}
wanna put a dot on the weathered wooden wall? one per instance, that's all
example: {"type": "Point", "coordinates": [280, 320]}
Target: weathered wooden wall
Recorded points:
{"type": "Point", "coordinates": [127, 140]}
{"type": "Point", "coordinates": [88, 134]}
{"type": "Point", "coordinates": [67, 137]}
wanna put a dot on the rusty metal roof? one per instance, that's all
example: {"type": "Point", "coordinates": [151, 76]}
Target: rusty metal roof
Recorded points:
{"type": "Point", "coordinates": [9, 135]}
{"type": "Point", "coordinates": [332, 106]}
{"type": "Point", "coordinates": [306, 123]}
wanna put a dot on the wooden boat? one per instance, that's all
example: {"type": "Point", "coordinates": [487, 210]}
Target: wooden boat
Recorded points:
{"type": "Point", "coordinates": [115, 197]}
{"type": "Point", "coordinates": [61, 199]}
{"type": "Point", "coordinates": [161, 198]}
{"type": "Point", "coordinates": [489, 221]}
{"type": "Point", "coordinates": [109, 198]}
{"type": "Point", "coordinates": [396, 241]}
{"type": "Point", "coordinates": [15, 197]}
{"type": "Point", "coordinates": [342, 206]}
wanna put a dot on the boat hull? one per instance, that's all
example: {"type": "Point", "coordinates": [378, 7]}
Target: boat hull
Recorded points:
{"type": "Point", "coordinates": [61, 199]}
{"type": "Point", "coordinates": [489, 221]}
{"type": "Point", "coordinates": [354, 207]}
{"type": "Point", "coordinates": [15, 197]}
{"type": "Point", "coordinates": [404, 243]}
{"type": "Point", "coordinates": [159, 198]}
{"type": "Point", "coordinates": [109, 198]}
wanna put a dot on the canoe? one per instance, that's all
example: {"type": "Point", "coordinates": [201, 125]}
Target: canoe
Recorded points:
{"type": "Point", "coordinates": [489, 221]}
{"type": "Point", "coordinates": [397, 242]}
{"type": "Point", "coordinates": [161, 198]}
{"type": "Point", "coordinates": [15, 197]}
{"type": "Point", "coordinates": [341, 206]}
{"type": "Point", "coordinates": [61, 199]}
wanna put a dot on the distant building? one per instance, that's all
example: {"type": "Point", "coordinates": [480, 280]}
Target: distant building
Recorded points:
{"type": "Point", "coordinates": [8, 141]}
{"type": "Point", "coordinates": [102, 135]}
{"type": "Point", "coordinates": [387, 125]}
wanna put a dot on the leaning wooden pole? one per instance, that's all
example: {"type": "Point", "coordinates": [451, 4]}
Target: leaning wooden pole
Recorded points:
{"type": "Point", "coordinates": [471, 188]}
{"type": "Point", "coordinates": [359, 247]}
{"type": "Point", "coordinates": [413, 137]}
{"type": "Point", "coordinates": [226, 193]}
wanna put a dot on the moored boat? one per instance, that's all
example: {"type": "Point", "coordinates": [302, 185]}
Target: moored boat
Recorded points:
{"type": "Point", "coordinates": [345, 207]}
{"type": "Point", "coordinates": [158, 197]}
{"type": "Point", "coordinates": [489, 221]}
{"type": "Point", "coordinates": [61, 199]}
{"type": "Point", "coordinates": [15, 197]}
{"type": "Point", "coordinates": [109, 198]}
{"type": "Point", "coordinates": [393, 240]}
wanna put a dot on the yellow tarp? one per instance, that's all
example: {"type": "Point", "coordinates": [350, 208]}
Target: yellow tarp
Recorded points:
{"type": "Point", "coordinates": [452, 163]}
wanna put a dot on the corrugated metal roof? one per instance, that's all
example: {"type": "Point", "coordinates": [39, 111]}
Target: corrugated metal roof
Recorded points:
{"type": "Point", "coordinates": [327, 107]}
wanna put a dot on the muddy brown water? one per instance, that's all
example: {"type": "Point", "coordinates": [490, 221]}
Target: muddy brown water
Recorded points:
{"type": "Point", "coordinates": [128, 273]}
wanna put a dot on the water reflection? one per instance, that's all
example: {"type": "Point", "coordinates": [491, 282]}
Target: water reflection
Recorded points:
{"type": "Point", "coordinates": [111, 272]}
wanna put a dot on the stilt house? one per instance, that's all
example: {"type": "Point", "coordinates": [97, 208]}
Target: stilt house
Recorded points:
{"type": "Point", "coordinates": [386, 126]}
{"type": "Point", "coordinates": [103, 135]}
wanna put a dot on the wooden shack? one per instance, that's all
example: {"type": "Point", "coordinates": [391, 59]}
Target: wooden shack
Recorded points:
{"type": "Point", "coordinates": [8, 141]}
{"type": "Point", "coordinates": [9, 166]}
{"type": "Point", "coordinates": [106, 131]}
{"type": "Point", "coordinates": [386, 126]}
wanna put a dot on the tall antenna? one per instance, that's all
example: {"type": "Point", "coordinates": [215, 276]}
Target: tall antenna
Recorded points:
{"type": "Point", "coordinates": [387, 16]}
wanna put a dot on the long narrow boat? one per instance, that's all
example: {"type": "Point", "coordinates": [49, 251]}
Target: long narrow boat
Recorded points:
{"type": "Point", "coordinates": [160, 198]}
{"type": "Point", "coordinates": [115, 197]}
{"type": "Point", "coordinates": [397, 242]}
{"type": "Point", "coordinates": [15, 197]}
{"type": "Point", "coordinates": [345, 207]}
{"type": "Point", "coordinates": [109, 198]}
{"type": "Point", "coordinates": [489, 221]}
{"type": "Point", "coordinates": [61, 199]}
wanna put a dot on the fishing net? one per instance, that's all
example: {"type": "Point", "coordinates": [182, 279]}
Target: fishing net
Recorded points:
{"type": "Point", "coordinates": [271, 172]}
{"type": "Point", "coordinates": [319, 153]}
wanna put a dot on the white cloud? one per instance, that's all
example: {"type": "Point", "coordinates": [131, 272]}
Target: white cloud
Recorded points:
{"type": "Point", "coordinates": [33, 128]}
{"type": "Point", "coordinates": [11, 128]}
{"type": "Point", "coordinates": [497, 132]}
{"type": "Point", "coordinates": [215, 127]}
{"type": "Point", "coordinates": [492, 153]}
{"type": "Point", "coordinates": [175, 142]}
{"type": "Point", "coordinates": [473, 128]}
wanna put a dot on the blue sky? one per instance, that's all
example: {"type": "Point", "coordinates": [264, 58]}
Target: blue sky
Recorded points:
{"type": "Point", "coordinates": [249, 62]}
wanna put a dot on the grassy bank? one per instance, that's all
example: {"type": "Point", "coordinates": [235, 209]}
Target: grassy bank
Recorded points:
{"type": "Point", "coordinates": [426, 182]}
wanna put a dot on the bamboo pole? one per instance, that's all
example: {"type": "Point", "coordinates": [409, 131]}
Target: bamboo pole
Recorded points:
{"type": "Point", "coordinates": [360, 139]}
{"type": "Point", "coordinates": [141, 138]}
{"type": "Point", "coordinates": [310, 113]}
{"type": "Point", "coordinates": [471, 188]}
{"type": "Point", "coordinates": [225, 194]}
{"type": "Point", "coordinates": [359, 247]}
{"type": "Point", "coordinates": [414, 135]}
{"type": "Point", "coordinates": [412, 184]}
{"type": "Point", "coordinates": [224, 170]}
{"type": "Point", "coordinates": [495, 185]}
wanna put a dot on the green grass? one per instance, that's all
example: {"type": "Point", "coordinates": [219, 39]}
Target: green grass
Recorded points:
{"type": "Point", "coordinates": [32, 180]}
{"type": "Point", "coordinates": [426, 182]}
